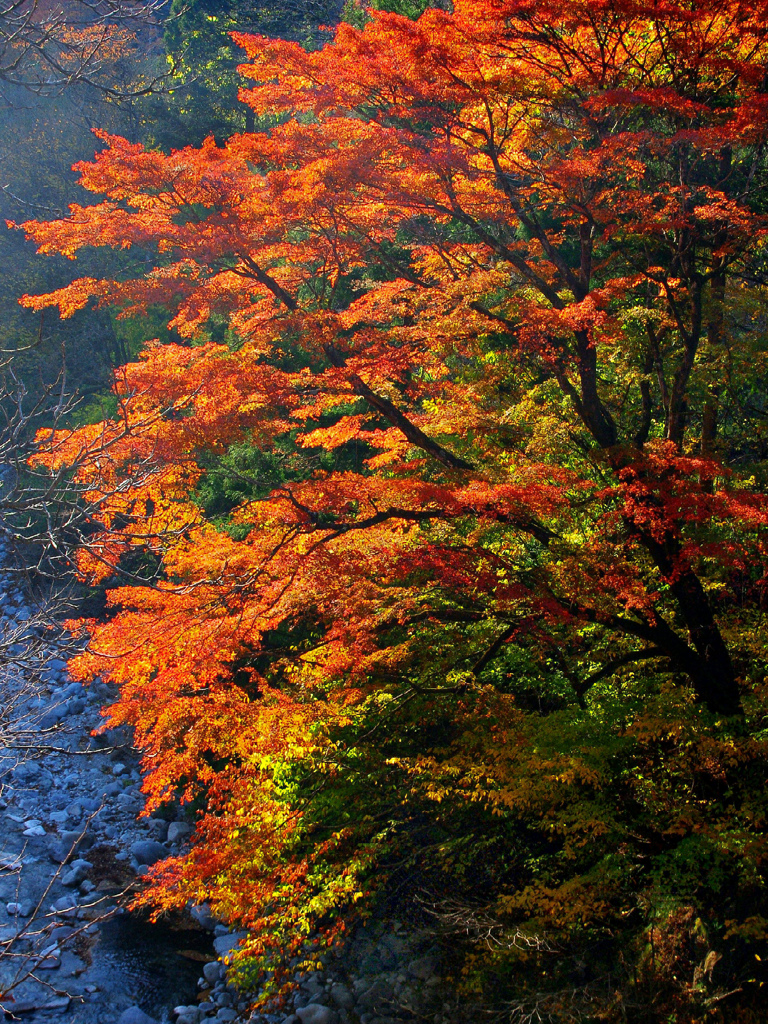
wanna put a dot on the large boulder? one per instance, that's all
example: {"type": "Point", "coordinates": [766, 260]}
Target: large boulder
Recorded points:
{"type": "Point", "coordinates": [148, 851]}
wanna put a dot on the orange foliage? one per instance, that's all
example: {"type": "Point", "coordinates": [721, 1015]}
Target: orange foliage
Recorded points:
{"type": "Point", "coordinates": [496, 250]}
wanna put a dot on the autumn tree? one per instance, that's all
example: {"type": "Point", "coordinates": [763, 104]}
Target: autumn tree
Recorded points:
{"type": "Point", "coordinates": [203, 98]}
{"type": "Point", "coordinates": [45, 47]}
{"type": "Point", "coordinates": [461, 513]}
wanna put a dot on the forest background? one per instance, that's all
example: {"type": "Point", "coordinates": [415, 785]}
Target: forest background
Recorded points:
{"type": "Point", "coordinates": [426, 540]}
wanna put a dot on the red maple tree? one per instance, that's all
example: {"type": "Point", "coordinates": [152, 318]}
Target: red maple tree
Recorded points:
{"type": "Point", "coordinates": [504, 263]}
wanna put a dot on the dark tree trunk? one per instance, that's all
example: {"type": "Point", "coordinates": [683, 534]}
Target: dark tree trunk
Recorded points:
{"type": "Point", "coordinates": [711, 671]}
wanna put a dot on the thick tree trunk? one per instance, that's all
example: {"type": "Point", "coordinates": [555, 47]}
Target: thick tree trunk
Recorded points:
{"type": "Point", "coordinates": [597, 418]}
{"type": "Point", "coordinates": [706, 659]}
{"type": "Point", "coordinates": [711, 671]}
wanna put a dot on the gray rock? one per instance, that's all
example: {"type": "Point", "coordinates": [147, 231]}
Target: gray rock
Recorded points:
{"type": "Point", "coordinates": [225, 944]}
{"type": "Point", "coordinates": [178, 830]}
{"type": "Point", "coordinates": [25, 770]}
{"type": "Point", "coordinates": [71, 965]}
{"type": "Point", "coordinates": [423, 968]}
{"type": "Point", "coordinates": [202, 914]}
{"type": "Point", "coordinates": [78, 870]}
{"type": "Point", "coordinates": [342, 997]}
{"type": "Point", "coordinates": [185, 1010]}
{"type": "Point", "coordinates": [213, 972]}
{"type": "Point", "coordinates": [377, 996]}
{"type": "Point", "coordinates": [57, 936]}
{"type": "Point", "coordinates": [135, 1015]}
{"type": "Point", "coordinates": [51, 718]}
{"type": "Point", "coordinates": [66, 906]}
{"type": "Point", "coordinates": [75, 810]}
{"type": "Point", "coordinates": [226, 1015]}
{"type": "Point", "coordinates": [23, 909]}
{"type": "Point", "coordinates": [148, 851]}
{"type": "Point", "coordinates": [158, 828]}
{"type": "Point", "coordinates": [21, 1006]}
{"type": "Point", "coordinates": [50, 958]}
{"type": "Point", "coordinates": [68, 844]}
{"type": "Point", "coordinates": [187, 1014]}
{"type": "Point", "coordinates": [395, 943]}
{"type": "Point", "coordinates": [59, 1004]}
{"type": "Point", "coordinates": [317, 1014]}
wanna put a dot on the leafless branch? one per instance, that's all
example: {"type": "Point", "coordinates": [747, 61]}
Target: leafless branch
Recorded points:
{"type": "Point", "coordinates": [45, 48]}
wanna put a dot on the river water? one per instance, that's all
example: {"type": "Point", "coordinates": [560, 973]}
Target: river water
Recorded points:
{"type": "Point", "coordinates": [155, 967]}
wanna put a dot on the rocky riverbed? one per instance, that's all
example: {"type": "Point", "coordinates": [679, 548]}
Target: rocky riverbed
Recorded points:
{"type": "Point", "coordinates": [71, 843]}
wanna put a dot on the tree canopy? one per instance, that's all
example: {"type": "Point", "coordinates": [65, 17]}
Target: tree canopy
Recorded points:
{"type": "Point", "coordinates": [444, 521]}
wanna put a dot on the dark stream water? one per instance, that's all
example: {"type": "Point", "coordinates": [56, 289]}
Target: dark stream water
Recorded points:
{"type": "Point", "coordinates": [155, 966]}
